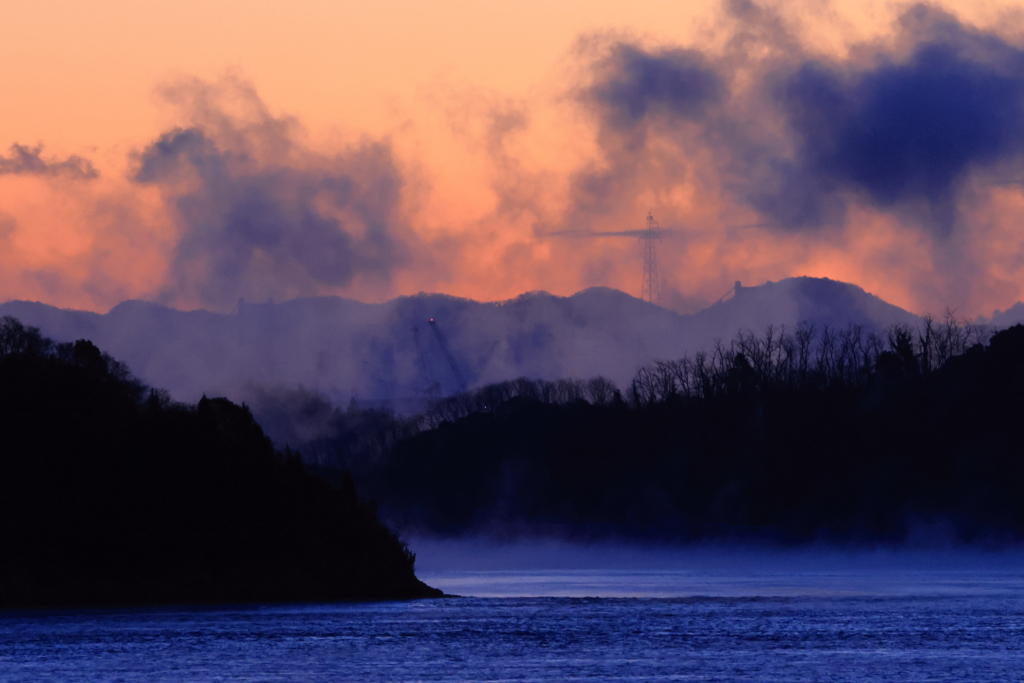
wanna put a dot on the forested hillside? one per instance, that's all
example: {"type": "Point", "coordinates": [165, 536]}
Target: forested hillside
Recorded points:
{"type": "Point", "coordinates": [814, 435]}
{"type": "Point", "coordinates": [112, 494]}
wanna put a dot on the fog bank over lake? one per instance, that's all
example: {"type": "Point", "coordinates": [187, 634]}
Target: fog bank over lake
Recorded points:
{"type": "Point", "coordinates": [553, 568]}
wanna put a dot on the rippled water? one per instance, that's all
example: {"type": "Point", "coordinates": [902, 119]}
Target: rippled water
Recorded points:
{"type": "Point", "coordinates": [774, 626]}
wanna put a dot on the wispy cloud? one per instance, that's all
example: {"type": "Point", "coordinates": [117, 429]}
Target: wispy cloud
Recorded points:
{"type": "Point", "coordinates": [914, 132]}
{"type": "Point", "coordinates": [888, 162]}
{"type": "Point", "coordinates": [24, 160]}
{"type": "Point", "coordinates": [260, 215]}
{"type": "Point", "coordinates": [798, 136]}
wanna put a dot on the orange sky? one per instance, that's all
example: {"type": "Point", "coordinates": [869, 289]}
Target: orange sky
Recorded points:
{"type": "Point", "coordinates": [478, 108]}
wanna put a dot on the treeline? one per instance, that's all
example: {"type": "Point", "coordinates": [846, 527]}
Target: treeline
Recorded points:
{"type": "Point", "coordinates": [112, 494]}
{"type": "Point", "coordinates": [597, 391]}
{"type": "Point", "coordinates": [791, 436]}
{"type": "Point", "coordinates": [360, 440]}
{"type": "Point", "coordinates": [806, 358]}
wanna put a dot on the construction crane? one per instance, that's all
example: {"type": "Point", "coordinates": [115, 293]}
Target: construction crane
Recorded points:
{"type": "Point", "coordinates": [651, 287]}
{"type": "Point", "coordinates": [649, 236]}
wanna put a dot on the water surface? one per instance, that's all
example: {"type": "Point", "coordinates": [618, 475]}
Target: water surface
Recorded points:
{"type": "Point", "coordinates": [835, 625]}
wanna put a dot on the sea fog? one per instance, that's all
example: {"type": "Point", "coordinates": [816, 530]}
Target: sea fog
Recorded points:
{"type": "Point", "coordinates": [546, 567]}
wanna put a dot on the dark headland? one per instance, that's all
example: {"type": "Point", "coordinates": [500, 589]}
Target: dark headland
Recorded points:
{"type": "Point", "coordinates": [111, 494]}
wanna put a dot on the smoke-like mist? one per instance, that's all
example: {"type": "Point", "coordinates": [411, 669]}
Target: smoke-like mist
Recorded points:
{"type": "Point", "coordinates": [341, 348]}
{"type": "Point", "coordinates": [909, 138]}
{"type": "Point", "coordinates": [892, 160]}
{"type": "Point", "coordinates": [260, 216]}
{"type": "Point", "coordinates": [549, 567]}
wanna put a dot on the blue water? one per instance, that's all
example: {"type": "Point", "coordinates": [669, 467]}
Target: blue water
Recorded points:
{"type": "Point", "coordinates": [708, 625]}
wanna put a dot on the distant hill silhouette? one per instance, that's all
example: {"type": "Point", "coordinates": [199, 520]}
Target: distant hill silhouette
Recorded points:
{"type": "Point", "coordinates": [800, 299]}
{"type": "Point", "coordinates": [1001, 320]}
{"type": "Point", "coordinates": [343, 348]}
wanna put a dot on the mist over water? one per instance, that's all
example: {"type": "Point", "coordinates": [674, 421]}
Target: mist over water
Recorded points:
{"type": "Point", "coordinates": [482, 567]}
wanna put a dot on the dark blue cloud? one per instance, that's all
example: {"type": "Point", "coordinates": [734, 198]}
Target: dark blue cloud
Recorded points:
{"type": "Point", "coordinates": [634, 92]}
{"type": "Point", "coordinates": [181, 150]}
{"type": "Point", "coordinates": [899, 128]}
{"type": "Point", "coordinates": [258, 229]}
{"type": "Point", "coordinates": [911, 131]}
{"type": "Point", "coordinates": [633, 84]}
{"type": "Point", "coordinates": [24, 160]}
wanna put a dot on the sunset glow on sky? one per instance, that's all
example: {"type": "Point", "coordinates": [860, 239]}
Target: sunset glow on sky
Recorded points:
{"type": "Point", "coordinates": [193, 153]}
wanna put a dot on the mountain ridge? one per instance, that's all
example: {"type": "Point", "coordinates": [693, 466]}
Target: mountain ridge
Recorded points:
{"type": "Point", "coordinates": [345, 348]}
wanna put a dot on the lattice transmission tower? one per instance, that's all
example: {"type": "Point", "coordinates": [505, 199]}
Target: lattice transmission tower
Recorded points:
{"type": "Point", "coordinates": [649, 238]}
